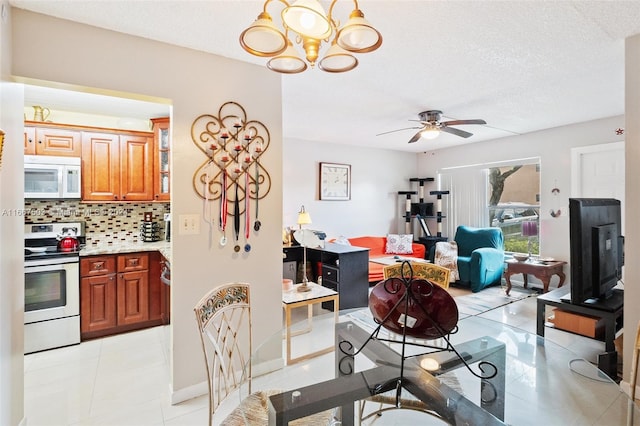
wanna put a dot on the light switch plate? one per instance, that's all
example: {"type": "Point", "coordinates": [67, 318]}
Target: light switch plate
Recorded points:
{"type": "Point", "coordinates": [189, 224]}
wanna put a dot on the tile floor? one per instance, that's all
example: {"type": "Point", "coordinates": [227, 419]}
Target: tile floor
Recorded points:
{"type": "Point", "coordinates": [124, 380]}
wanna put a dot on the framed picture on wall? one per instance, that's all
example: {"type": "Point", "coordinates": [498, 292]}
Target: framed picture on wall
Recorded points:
{"type": "Point", "coordinates": [335, 182]}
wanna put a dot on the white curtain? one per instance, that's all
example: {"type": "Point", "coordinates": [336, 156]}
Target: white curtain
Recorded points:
{"type": "Point", "coordinates": [466, 203]}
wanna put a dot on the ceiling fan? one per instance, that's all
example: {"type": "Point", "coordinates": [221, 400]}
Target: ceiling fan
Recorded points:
{"type": "Point", "coordinates": [431, 126]}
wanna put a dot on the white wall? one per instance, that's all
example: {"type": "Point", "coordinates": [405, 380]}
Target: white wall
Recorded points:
{"type": "Point", "coordinates": [11, 252]}
{"type": "Point", "coordinates": [632, 196]}
{"type": "Point", "coordinates": [377, 175]}
{"type": "Point", "coordinates": [196, 83]}
{"type": "Point", "coordinates": [553, 147]}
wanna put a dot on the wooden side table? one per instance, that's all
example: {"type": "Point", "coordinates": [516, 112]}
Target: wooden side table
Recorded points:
{"type": "Point", "coordinates": [541, 270]}
{"type": "Point", "coordinates": [293, 299]}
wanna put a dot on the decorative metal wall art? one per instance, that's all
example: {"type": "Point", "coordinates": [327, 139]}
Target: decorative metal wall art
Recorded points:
{"type": "Point", "coordinates": [1, 145]}
{"type": "Point", "coordinates": [231, 172]}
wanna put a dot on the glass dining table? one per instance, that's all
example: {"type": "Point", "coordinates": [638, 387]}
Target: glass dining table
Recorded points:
{"type": "Point", "coordinates": [483, 373]}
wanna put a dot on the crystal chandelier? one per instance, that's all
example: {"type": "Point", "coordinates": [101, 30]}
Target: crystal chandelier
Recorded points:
{"type": "Point", "coordinates": [307, 20]}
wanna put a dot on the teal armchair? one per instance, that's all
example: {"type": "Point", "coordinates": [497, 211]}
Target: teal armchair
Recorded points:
{"type": "Point", "coordinates": [480, 256]}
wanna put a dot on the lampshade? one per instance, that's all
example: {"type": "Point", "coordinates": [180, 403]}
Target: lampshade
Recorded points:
{"type": "Point", "coordinates": [303, 217]}
{"type": "Point", "coordinates": [358, 35]}
{"type": "Point", "coordinates": [529, 229]}
{"type": "Point", "coordinates": [288, 62]}
{"type": "Point", "coordinates": [262, 38]}
{"type": "Point", "coordinates": [307, 18]}
{"type": "Point", "coordinates": [337, 60]}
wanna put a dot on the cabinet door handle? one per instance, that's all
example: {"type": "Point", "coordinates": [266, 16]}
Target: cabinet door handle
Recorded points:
{"type": "Point", "coordinates": [39, 141]}
{"type": "Point", "coordinates": [98, 265]}
{"type": "Point", "coordinates": [134, 262]}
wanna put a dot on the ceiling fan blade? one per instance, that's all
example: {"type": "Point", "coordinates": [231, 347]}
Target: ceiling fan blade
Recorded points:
{"type": "Point", "coordinates": [415, 137]}
{"type": "Point", "coordinates": [398, 130]}
{"type": "Point", "coordinates": [455, 131]}
{"type": "Point", "coordinates": [459, 122]}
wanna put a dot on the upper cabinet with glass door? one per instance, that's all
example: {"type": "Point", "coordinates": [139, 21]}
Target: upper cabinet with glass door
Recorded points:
{"type": "Point", "coordinates": [162, 174]}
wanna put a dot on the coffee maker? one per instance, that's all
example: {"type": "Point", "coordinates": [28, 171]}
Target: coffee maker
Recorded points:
{"type": "Point", "coordinates": [167, 226]}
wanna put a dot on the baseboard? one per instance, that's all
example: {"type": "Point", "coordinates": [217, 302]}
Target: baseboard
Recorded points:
{"type": "Point", "coordinates": [201, 388]}
{"type": "Point", "coordinates": [188, 393]}
{"type": "Point", "coordinates": [626, 388]}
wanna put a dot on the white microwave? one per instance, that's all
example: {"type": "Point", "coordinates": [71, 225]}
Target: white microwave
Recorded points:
{"type": "Point", "coordinates": [48, 177]}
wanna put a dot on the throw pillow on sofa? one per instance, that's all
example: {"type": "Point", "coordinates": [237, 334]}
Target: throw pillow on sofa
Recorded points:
{"type": "Point", "coordinates": [399, 244]}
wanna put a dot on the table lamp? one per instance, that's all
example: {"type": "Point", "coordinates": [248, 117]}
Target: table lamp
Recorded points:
{"type": "Point", "coordinates": [304, 219]}
{"type": "Point", "coordinates": [529, 229]}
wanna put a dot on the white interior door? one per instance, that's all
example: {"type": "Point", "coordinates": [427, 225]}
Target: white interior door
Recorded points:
{"type": "Point", "coordinates": [598, 171]}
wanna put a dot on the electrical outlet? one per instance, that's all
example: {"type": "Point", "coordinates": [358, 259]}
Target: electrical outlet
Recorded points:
{"type": "Point", "coordinates": [189, 224]}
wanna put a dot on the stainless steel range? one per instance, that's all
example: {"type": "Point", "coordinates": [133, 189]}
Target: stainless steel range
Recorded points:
{"type": "Point", "coordinates": [52, 286]}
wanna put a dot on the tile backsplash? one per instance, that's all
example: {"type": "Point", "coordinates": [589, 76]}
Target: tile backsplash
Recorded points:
{"type": "Point", "coordinates": [108, 223]}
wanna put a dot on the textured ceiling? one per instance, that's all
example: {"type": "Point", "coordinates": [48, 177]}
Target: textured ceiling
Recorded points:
{"type": "Point", "coordinates": [520, 65]}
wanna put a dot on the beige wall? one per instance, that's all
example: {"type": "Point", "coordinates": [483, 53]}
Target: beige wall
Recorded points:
{"type": "Point", "coordinates": [377, 175]}
{"type": "Point", "coordinates": [553, 149]}
{"type": "Point", "coordinates": [196, 83]}
{"type": "Point", "coordinates": [632, 198]}
{"type": "Point", "coordinates": [11, 252]}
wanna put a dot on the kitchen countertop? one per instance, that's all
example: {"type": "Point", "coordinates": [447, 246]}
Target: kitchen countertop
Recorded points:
{"type": "Point", "coordinates": [164, 247]}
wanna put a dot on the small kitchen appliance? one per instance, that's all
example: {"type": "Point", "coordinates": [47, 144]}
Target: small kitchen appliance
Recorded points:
{"type": "Point", "coordinates": [68, 239]}
{"type": "Point", "coordinates": [51, 177]}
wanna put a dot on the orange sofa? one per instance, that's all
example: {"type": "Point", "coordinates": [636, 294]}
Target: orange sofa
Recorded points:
{"type": "Point", "coordinates": [377, 248]}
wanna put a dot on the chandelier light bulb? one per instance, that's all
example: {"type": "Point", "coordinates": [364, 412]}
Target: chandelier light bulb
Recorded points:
{"type": "Point", "coordinates": [307, 20]}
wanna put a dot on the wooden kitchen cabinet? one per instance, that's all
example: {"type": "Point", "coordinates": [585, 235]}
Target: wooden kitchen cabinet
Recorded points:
{"type": "Point", "coordinates": [51, 139]}
{"type": "Point", "coordinates": [117, 167]}
{"type": "Point", "coordinates": [98, 289]}
{"type": "Point", "coordinates": [100, 166]}
{"type": "Point", "coordinates": [133, 288]}
{"type": "Point", "coordinates": [29, 141]}
{"type": "Point", "coordinates": [159, 292]}
{"type": "Point", "coordinates": [115, 294]}
{"type": "Point", "coordinates": [136, 165]}
{"type": "Point", "coordinates": [161, 160]}
{"type": "Point", "coordinates": [133, 297]}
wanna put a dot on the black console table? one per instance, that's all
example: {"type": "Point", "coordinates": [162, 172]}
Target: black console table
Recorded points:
{"type": "Point", "coordinates": [610, 310]}
{"type": "Point", "coordinates": [343, 268]}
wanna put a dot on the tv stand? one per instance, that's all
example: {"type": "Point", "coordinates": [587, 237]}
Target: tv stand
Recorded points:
{"type": "Point", "coordinates": [613, 301]}
{"type": "Point", "coordinates": [610, 310]}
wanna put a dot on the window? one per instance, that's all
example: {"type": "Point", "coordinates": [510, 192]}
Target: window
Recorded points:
{"type": "Point", "coordinates": [504, 195]}
{"type": "Point", "coordinates": [514, 205]}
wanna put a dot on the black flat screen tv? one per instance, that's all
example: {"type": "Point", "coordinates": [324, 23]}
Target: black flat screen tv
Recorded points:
{"type": "Point", "coordinates": [596, 248]}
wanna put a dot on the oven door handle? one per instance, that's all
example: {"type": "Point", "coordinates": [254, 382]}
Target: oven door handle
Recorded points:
{"type": "Point", "coordinates": [45, 268]}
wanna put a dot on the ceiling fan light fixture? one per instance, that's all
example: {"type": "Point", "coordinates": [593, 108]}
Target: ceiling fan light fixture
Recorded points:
{"type": "Point", "coordinates": [288, 62]}
{"type": "Point", "coordinates": [307, 18]}
{"type": "Point", "coordinates": [337, 60]}
{"type": "Point", "coordinates": [263, 38]}
{"type": "Point", "coordinates": [358, 35]}
{"type": "Point", "coordinates": [430, 133]}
